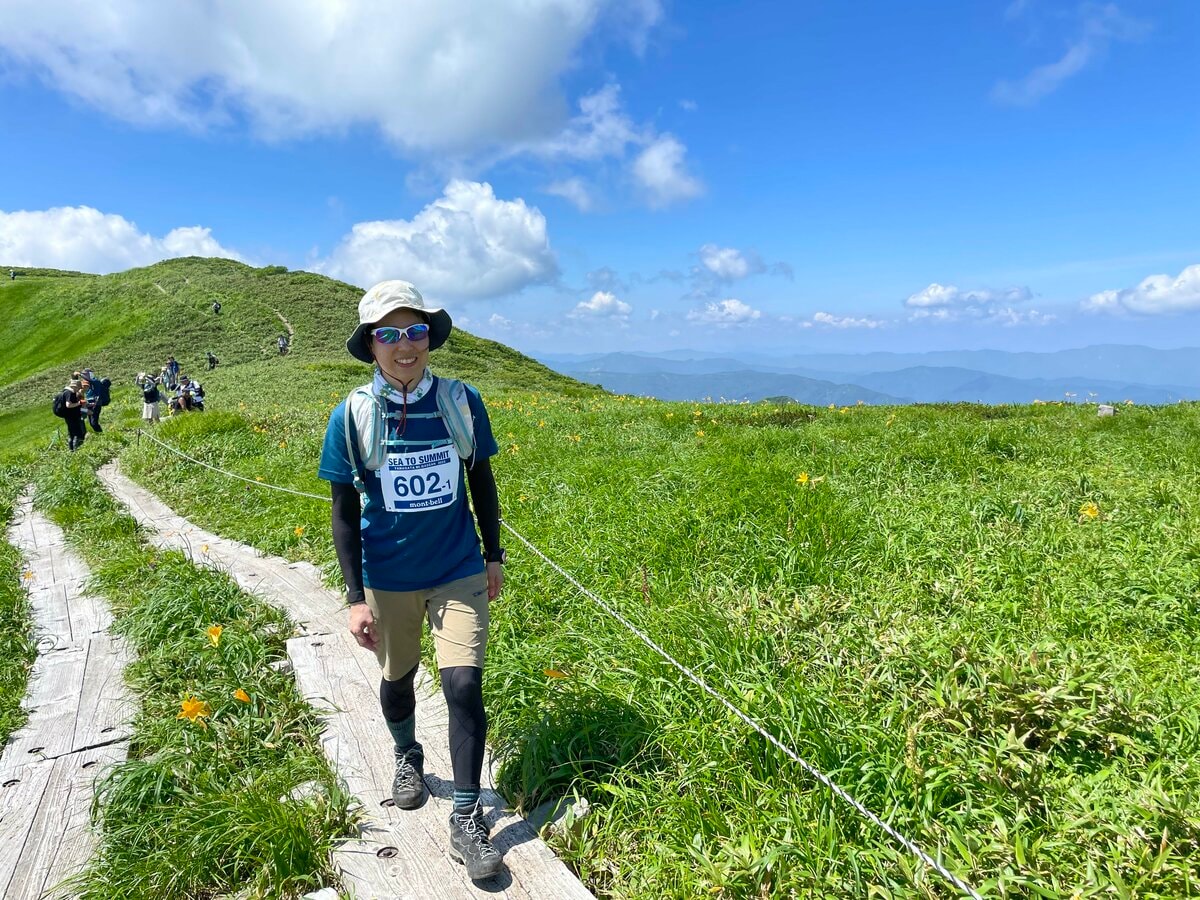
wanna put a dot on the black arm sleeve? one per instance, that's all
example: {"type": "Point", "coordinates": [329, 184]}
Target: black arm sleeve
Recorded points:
{"type": "Point", "coordinates": [486, 503]}
{"type": "Point", "coordinates": [347, 538]}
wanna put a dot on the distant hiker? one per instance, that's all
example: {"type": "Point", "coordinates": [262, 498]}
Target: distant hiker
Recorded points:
{"type": "Point", "coordinates": [91, 394]}
{"type": "Point", "coordinates": [407, 545]}
{"type": "Point", "coordinates": [12, 274]}
{"type": "Point", "coordinates": [188, 396]}
{"type": "Point", "coordinates": [151, 397]}
{"type": "Point", "coordinates": [216, 307]}
{"type": "Point", "coordinates": [172, 368]}
{"type": "Point", "coordinates": [212, 361]}
{"type": "Point", "coordinates": [69, 404]}
{"type": "Point", "coordinates": [282, 342]}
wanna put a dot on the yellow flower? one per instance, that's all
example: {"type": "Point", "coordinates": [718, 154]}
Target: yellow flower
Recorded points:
{"type": "Point", "coordinates": [1089, 510]}
{"type": "Point", "coordinates": [239, 694]}
{"type": "Point", "coordinates": [283, 445]}
{"type": "Point", "coordinates": [890, 420]}
{"type": "Point", "coordinates": [541, 423]}
{"type": "Point", "coordinates": [843, 410]}
{"type": "Point", "coordinates": [515, 448]}
{"type": "Point", "coordinates": [802, 478]}
{"type": "Point", "coordinates": [194, 711]}
{"type": "Point", "coordinates": [522, 498]}
{"type": "Point", "coordinates": [298, 530]}
{"type": "Point", "coordinates": [700, 432]}
{"type": "Point", "coordinates": [670, 415]}
{"type": "Point", "coordinates": [553, 673]}
{"type": "Point", "coordinates": [258, 478]}
{"type": "Point", "coordinates": [214, 634]}
{"type": "Point", "coordinates": [204, 548]}
{"type": "Point", "coordinates": [697, 412]}
{"type": "Point", "coordinates": [28, 576]}
{"type": "Point", "coordinates": [832, 405]}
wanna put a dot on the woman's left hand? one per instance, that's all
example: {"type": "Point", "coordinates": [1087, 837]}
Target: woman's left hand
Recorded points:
{"type": "Point", "coordinates": [495, 578]}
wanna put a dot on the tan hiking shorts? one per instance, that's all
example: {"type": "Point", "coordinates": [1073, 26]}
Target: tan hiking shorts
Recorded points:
{"type": "Point", "coordinates": [458, 619]}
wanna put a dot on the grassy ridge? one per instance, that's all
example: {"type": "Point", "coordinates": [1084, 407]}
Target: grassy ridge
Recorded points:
{"type": "Point", "coordinates": [979, 620]}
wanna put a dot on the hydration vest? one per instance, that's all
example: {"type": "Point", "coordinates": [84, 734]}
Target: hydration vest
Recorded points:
{"type": "Point", "coordinates": [369, 414]}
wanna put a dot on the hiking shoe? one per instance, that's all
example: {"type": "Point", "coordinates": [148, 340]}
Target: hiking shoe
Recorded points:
{"type": "Point", "coordinates": [469, 844]}
{"type": "Point", "coordinates": [408, 787]}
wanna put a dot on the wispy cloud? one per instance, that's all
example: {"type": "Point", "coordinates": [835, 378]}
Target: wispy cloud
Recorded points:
{"type": "Point", "coordinates": [1100, 27]}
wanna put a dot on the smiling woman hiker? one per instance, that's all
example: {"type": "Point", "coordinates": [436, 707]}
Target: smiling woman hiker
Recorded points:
{"type": "Point", "coordinates": [399, 453]}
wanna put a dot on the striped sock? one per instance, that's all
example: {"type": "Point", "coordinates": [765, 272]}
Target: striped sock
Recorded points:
{"type": "Point", "coordinates": [465, 799]}
{"type": "Point", "coordinates": [403, 733]}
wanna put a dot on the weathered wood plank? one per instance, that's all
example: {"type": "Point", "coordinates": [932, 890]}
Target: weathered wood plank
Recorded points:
{"type": "Point", "coordinates": [75, 690]}
{"type": "Point", "coordinates": [56, 839]}
{"type": "Point", "coordinates": [341, 680]}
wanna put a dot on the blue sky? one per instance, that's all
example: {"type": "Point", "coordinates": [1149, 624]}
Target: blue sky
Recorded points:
{"type": "Point", "coordinates": [580, 175]}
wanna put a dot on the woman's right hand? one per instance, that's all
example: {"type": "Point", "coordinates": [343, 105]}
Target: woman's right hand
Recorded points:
{"type": "Point", "coordinates": [362, 626]}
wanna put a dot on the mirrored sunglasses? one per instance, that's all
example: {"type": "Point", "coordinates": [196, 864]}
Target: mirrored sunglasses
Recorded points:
{"type": "Point", "coordinates": [390, 335]}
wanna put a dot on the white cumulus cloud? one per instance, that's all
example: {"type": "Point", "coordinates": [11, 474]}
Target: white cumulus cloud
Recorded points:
{"type": "Point", "coordinates": [725, 313]}
{"type": "Point", "coordinates": [431, 74]}
{"type": "Point", "coordinates": [832, 321]}
{"type": "Point", "coordinates": [661, 173]}
{"type": "Point", "coordinates": [1155, 295]}
{"type": "Point", "coordinates": [87, 240]}
{"type": "Point", "coordinates": [467, 244]}
{"type": "Point", "coordinates": [947, 303]}
{"type": "Point", "coordinates": [602, 304]}
{"type": "Point", "coordinates": [729, 264]}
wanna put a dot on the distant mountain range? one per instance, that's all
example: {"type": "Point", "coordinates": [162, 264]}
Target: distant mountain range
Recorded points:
{"type": "Point", "coordinates": [1105, 373]}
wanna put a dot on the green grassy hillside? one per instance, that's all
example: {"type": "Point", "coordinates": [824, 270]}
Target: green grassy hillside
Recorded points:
{"type": "Point", "coordinates": [979, 620]}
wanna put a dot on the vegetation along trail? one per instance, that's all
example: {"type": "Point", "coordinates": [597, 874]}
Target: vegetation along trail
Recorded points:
{"type": "Point", "coordinates": [980, 621]}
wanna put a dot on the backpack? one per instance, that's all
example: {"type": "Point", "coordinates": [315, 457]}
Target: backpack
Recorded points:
{"type": "Point", "coordinates": [367, 411]}
{"type": "Point", "coordinates": [102, 391]}
{"type": "Point", "coordinates": [60, 404]}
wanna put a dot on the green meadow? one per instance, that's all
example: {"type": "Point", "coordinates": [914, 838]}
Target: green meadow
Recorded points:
{"type": "Point", "coordinates": [979, 621]}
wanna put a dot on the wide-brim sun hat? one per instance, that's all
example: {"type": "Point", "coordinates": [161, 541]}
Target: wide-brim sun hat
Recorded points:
{"type": "Point", "coordinates": [389, 296]}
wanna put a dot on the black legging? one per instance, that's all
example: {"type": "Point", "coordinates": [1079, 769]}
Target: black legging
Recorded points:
{"type": "Point", "coordinates": [75, 431]}
{"type": "Point", "coordinates": [462, 686]}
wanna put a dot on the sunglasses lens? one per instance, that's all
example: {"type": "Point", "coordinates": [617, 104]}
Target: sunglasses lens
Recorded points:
{"type": "Point", "coordinates": [388, 335]}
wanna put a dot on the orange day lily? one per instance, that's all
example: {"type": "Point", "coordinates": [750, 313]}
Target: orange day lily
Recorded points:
{"type": "Point", "coordinates": [239, 694]}
{"type": "Point", "coordinates": [194, 711]}
{"type": "Point", "coordinates": [214, 634]}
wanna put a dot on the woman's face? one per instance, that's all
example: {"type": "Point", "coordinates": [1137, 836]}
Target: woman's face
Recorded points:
{"type": "Point", "coordinates": [404, 361]}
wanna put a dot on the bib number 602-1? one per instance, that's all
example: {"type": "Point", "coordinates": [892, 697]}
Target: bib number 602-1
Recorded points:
{"type": "Point", "coordinates": [419, 485]}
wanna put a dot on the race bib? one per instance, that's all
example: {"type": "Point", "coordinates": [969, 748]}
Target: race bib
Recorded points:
{"type": "Point", "coordinates": [420, 481]}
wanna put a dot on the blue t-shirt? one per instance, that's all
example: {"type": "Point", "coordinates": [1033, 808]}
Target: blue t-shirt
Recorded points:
{"type": "Point", "coordinates": [409, 551]}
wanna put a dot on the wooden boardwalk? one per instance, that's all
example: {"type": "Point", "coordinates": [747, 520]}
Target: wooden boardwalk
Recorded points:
{"type": "Point", "coordinates": [79, 710]}
{"type": "Point", "coordinates": [398, 854]}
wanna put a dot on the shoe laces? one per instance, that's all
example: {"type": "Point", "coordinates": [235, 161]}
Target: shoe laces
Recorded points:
{"type": "Point", "coordinates": [472, 826]}
{"type": "Point", "coordinates": [406, 769]}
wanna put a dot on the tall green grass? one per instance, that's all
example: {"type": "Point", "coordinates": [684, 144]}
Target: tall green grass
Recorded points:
{"type": "Point", "coordinates": [17, 649]}
{"type": "Point", "coordinates": [236, 799]}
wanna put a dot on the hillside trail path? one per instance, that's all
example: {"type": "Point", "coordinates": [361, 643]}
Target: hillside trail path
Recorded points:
{"type": "Point", "coordinates": [398, 854]}
{"type": "Point", "coordinates": [79, 715]}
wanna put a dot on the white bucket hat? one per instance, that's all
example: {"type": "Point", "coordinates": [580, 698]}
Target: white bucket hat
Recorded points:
{"type": "Point", "coordinates": [386, 297]}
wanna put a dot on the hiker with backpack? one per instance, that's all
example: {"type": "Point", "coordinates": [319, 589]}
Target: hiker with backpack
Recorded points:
{"type": "Point", "coordinates": [188, 396]}
{"type": "Point", "coordinates": [400, 453]}
{"type": "Point", "coordinates": [96, 392]}
{"type": "Point", "coordinates": [216, 307]}
{"type": "Point", "coordinates": [212, 360]}
{"type": "Point", "coordinates": [69, 405]}
{"type": "Point", "coordinates": [282, 342]}
{"type": "Point", "coordinates": [151, 397]}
